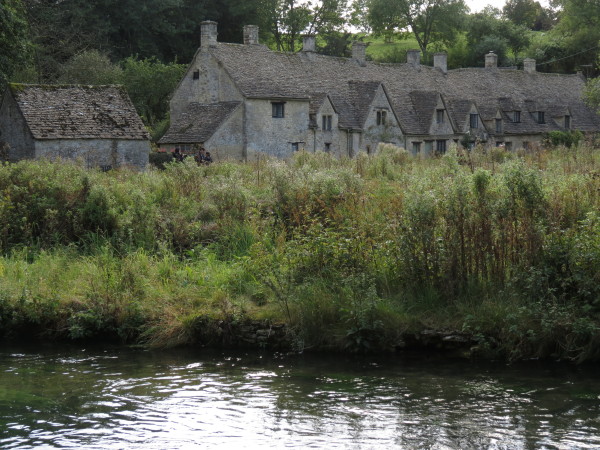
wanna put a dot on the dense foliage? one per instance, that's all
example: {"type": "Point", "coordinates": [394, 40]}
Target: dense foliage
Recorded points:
{"type": "Point", "coordinates": [350, 253]}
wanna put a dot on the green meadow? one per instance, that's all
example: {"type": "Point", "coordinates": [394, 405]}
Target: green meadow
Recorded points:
{"type": "Point", "coordinates": [351, 254]}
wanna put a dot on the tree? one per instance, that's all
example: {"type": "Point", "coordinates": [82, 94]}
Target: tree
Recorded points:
{"type": "Point", "coordinates": [573, 43]}
{"type": "Point", "coordinates": [591, 94]}
{"type": "Point", "coordinates": [288, 20]}
{"type": "Point", "coordinates": [522, 12]}
{"type": "Point", "coordinates": [149, 84]}
{"type": "Point", "coordinates": [430, 21]}
{"type": "Point", "coordinates": [90, 67]}
{"type": "Point", "coordinates": [14, 40]}
{"type": "Point", "coordinates": [489, 29]}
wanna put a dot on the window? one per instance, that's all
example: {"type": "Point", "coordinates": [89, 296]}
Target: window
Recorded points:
{"type": "Point", "coordinates": [327, 147]}
{"type": "Point", "coordinates": [508, 145]}
{"type": "Point", "coordinates": [517, 116]}
{"type": "Point", "coordinates": [439, 116]}
{"type": "Point", "coordinates": [567, 122]}
{"type": "Point", "coordinates": [498, 125]}
{"type": "Point", "coordinates": [416, 147]}
{"type": "Point", "coordinates": [440, 146]}
{"type": "Point", "coordinates": [278, 110]}
{"type": "Point", "coordinates": [428, 147]}
{"type": "Point", "coordinates": [474, 119]}
{"type": "Point", "coordinates": [499, 144]}
{"type": "Point", "coordinates": [196, 75]}
{"type": "Point", "coordinates": [327, 123]}
{"type": "Point", "coordinates": [540, 117]}
{"type": "Point", "coordinates": [381, 117]}
{"type": "Point", "coordinates": [295, 146]}
{"type": "Point", "coordinates": [526, 145]}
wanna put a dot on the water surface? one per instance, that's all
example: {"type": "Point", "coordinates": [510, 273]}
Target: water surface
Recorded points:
{"type": "Point", "coordinates": [118, 398]}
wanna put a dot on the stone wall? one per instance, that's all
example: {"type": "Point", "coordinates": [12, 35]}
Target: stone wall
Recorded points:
{"type": "Point", "coordinates": [14, 131]}
{"type": "Point", "coordinates": [326, 136]}
{"type": "Point", "coordinates": [273, 135]}
{"type": "Point", "coordinates": [390, 132]}
{"type": "Point", "coordinates": [212, 84]}
{"type": "Point", "coordinates": [228, 140]}
{"type": "Point", "coordinates": [96, 152]}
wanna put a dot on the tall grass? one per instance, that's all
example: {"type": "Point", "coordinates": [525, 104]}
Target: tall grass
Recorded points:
{"type": "Point", "coordinates": [350, 253]}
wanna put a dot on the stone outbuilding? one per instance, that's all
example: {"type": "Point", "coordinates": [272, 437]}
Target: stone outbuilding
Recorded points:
{"type": "Point", "coordinates": [95, 124]}
{"type": "Point", "coordinates": [239, 100]}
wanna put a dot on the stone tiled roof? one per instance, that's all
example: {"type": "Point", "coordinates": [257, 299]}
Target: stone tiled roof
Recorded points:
{"type": "Point", "coordinates": [459, 110]}
{"type": "Point", "coordinates": [78, 112]}
{"type": "Point", "coordinates": [198, 122]}
{"type": "Point", "coordinates": [260, 72]}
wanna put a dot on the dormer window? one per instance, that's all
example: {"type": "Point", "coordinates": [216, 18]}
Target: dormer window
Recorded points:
{"type": "Point", "coordinates": [568, 122]}
{"type": "Point", "coordinates": [381, 117]}
{"type": "Point", "coordinates": [516, 116]}
{"type": "Point", "coordinates": [498, 125]}
{"type": "Point", "coordinates": [327, 123]}
{"type": "Point", "coordinates": [439, 116]}
{"type": "Point", "coordinates": [541, 117]}
{"type": "Point", "coordinates": [474, 120]}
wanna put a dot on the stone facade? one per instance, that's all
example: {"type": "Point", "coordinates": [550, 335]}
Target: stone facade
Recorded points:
{"type": "Point", "coordinates": [309, 101]}
{"type": "Point", "coordinates": [96, 125]}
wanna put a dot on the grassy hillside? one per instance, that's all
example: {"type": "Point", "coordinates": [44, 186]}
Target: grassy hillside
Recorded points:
{"type": "Point", "coordinates": [350, 253]}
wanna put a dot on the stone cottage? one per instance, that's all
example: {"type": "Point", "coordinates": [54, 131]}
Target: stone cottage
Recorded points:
{"type": "Point", "coordinates": [95, 124]}
{"type": "Point", "coordinates": [241, 99]}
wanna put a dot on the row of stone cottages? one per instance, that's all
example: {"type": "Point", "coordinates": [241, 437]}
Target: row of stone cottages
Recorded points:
{"type": "Point", "coordinates": [240, 99]}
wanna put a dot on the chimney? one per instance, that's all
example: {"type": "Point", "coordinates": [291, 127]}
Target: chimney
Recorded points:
{"type": "Point", "coordinates": [251, 35]}
{"type": "Point", "coordinates": [440, 61]}
{"type": "Point", "coordinates": [359, 52]}
{"type": "Point", "coordinates": [491, 60]}
{"type": "Point", "coordinates": [529, 65]}
{"type": "Point", "coordinates": [208, 34]}
{"type": "Point", "coordinates": [413, 57]}
{"type": "Point", "coordinates": [308, 43]}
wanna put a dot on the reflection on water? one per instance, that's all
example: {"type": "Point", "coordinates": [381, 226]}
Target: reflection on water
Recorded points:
{"type": "Point", "coordinates": [127, 399]}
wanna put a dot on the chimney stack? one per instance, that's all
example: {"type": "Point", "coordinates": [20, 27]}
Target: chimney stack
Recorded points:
{"type": "Point", "coordinates": [413, 57]}
{"type": "Point", "coordinates": [359, 52]}
{"type": "Point", "coordinates": [251, 35]}
{"type": "Point", "coordinates": [529, 65]}
{"type": "Point", "coordinates": [308, 43]}
{"type": "Point", "coordinates": [208, 34]}
{"type": "Point", "coordinates": [491, 60]}
{"type": "Point", "coordinates": [440, 61]}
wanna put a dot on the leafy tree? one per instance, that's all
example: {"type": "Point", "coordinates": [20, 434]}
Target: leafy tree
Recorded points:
{"type": "Point", "coordinates": [91, 67]}
{"type": "Point", "coordinates": [430, 21]}
{"type": "Point", "coordinates": [522, 12]}
{"type": "Point", "coordinates": [591, 94]}
{"type": "Point", "coordinates": [149, 84]}
{"type": "Point", "coordinates": [499, 35]}
{"type": "Point", "coordinates": [359, 15]}
{"type": "Point", "coordinates": [14, 41]}
{"type": "Point", "coordinates": [288, 20]}
{"type": "Point", "coordinates": [573, 43]}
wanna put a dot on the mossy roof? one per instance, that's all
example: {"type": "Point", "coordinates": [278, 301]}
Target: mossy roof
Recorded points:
{"type": "Point", "coordinates": [260, 72]}
{"type": "Point", "coordinates": [78, 112]}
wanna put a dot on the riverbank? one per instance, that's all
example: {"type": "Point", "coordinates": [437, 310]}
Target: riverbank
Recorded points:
{"type": "Point", "coordinates": [344, 255]}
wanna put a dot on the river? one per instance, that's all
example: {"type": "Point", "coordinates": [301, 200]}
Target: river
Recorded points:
{"type": "Point", "coordinates": [58, 397]}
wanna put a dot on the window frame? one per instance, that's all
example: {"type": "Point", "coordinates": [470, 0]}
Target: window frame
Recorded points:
{"type": "Point", "coordinates": [441, 146]}
{"type": "Point", "coordinates": [567, 121]}
{"type": "Point", "coordinates": [541, 117]}
{"type": "Point", "coordinates": [439, 116]}
{"type": "Point", "coordinates": [516, 116]}
{"type": "Point", "coordinates": [278, 110]}
{"type": "Point", "coordinates": [474, 120]}
{"type": "Point", "coordinates": [498, 125]}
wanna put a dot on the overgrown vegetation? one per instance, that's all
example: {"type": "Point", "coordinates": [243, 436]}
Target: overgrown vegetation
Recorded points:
{"type": "Point", "coordinates": [350, 253]}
